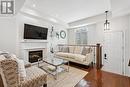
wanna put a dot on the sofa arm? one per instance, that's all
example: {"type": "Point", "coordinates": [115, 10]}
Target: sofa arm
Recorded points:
{"type": "Point", "coordinates": [89, 57]}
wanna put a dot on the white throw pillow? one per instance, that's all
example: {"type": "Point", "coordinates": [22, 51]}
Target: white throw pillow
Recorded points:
{"type": "Point", "coordinates": [21, 69]}
{"type": "Point", "coordinates": [2, 57]}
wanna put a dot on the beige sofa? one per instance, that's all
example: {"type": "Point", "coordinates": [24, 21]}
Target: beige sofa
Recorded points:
{"type": "Point", "coordinates": [78, 54]}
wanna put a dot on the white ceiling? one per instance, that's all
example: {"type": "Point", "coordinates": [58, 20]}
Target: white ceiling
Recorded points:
{"type": "Point", "coordinates": [69, 10]}
{"type": "Point", "coordinates": [119, 4]}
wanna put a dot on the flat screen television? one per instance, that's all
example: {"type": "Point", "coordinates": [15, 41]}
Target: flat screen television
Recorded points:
{"type": "Point", "coordinates": [35, 32]}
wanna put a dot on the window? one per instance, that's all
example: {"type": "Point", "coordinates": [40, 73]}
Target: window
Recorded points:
{"type": "Point", "coordinates": [81, 35]}
{"type": "Point", "coordinates": [78, 35]}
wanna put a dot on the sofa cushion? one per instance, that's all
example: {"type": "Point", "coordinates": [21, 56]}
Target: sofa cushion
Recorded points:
{"type": "Point", "coordinates": [78, 49]}
{"type": "Point", "coordinates": [62, 54]}
{"type": "Point", "coordinates": [71, 55]}
{"type": "Point", "coordinates": [35, 77]}
{"type": "Point", "coordinates": [79, 57]}
{"type": "Point", "coordinates": [71, 49]}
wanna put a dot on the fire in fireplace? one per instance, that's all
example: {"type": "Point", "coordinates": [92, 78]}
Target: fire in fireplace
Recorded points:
{"type": "Point", "coordinates": [35, 55]}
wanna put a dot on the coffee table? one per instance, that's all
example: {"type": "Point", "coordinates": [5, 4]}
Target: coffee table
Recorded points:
{"type": "Point", "coordinates": [53, 65]}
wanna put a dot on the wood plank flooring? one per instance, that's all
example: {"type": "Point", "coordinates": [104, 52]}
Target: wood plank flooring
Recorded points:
{"type": "Point", "coordinates": [99, 78]}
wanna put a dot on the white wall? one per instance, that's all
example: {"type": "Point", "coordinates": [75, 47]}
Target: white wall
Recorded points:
{"type": "Point", "coordinates": [8, 34]}
{"type": "Point", "coordinates": [91, 34]}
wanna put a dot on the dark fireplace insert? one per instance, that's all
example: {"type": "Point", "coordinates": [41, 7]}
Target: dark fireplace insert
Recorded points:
{"type": "Point", "coordinates": [35, 55]}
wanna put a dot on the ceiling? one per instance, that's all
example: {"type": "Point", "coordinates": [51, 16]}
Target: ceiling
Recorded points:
{"type": "Point", "coordinates": [69, 10]}
{"type": "Point", "coordinates": [119, 4]}
{"type": "Point", "coordinates": [18, 5]}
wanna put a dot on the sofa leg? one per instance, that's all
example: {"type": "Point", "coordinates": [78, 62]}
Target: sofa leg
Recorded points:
{"type": "Point", "coordinates": [45, 85]}
{"type": "Point", "coordinates": [91, 65]}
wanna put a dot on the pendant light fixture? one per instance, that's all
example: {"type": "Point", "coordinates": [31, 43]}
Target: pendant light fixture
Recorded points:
{"type": "Point", "coordinates": [107, 23]}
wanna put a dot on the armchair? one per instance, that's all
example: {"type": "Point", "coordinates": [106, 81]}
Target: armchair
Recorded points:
{"type": "Point", "coordinates": [35, 77]}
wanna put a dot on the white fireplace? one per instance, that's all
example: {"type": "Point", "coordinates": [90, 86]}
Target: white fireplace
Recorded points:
{"type": "Point", "coordinates": [26, 47]}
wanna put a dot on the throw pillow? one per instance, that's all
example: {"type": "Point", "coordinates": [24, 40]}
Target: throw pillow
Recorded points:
{"type": "Point", "coordinates": [5, 54]}
{"type": "Point", "coordinates": [78, 49]}
{"type": "Point", "coordinates": [21, 70]}
{"type": "Point", "coordinates": [65, 49]}
{"type": "Point", "coordinates": [2, 57]}
{"type": "Point", "coordinates": [21, 67]}
{"type": "Point", "coordinates": [71, 49]}
{"type": "Point", "coordinates": [60, 48]}
{"type": "Point", "coordinates": [86, 50]}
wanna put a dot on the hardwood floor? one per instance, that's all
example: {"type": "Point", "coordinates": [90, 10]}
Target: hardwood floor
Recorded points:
{"type": "Point", "coordinates": [99, 78]}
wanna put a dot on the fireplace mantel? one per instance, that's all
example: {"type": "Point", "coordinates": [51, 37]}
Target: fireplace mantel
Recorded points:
{"type": "Point", "coordinates": [34, 41]}
{"type": "Point", "coordinates": [34, 48]}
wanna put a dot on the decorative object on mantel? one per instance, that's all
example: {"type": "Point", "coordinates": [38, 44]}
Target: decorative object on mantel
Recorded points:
{"type": "Point", "coordinates": [107, 23]}
{"type": "Point", "coordinates": [57, 35]}
{"type": "Point", "coordinates": [129, 63]}
{"type": "Point", "coordinates": [62, 34]}
{"type": "Point", "coordinates": [51, 49]}
{"type": "Point", "coordinates": [54, 33]}
{"type": "Point", "coordinates": [52, 30]}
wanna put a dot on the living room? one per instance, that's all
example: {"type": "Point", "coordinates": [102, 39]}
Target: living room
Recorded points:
{"type": "Point", "coordinates": [57, 33]}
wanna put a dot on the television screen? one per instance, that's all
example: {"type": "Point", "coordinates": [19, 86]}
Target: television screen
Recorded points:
{"type": "Point", "coordinates": [35, 32]}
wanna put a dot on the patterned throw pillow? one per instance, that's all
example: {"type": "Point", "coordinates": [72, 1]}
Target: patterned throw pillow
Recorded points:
{"type": "Point", "coordinates": [21, 66]}
{"type": "Point", "coordinates": [78, 49]}
{"type": "Point", "coordinates": [71, 49]}
{"type": "Point", "coordinates": [60, 48]}
{"type": "Point", "coordinates": [86, 50]}
{"type": "Point", "coordinates": [65, 49]}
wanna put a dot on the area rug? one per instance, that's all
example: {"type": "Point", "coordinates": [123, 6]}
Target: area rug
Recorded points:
{"type": "Point", "coordinates": [66, 79]}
